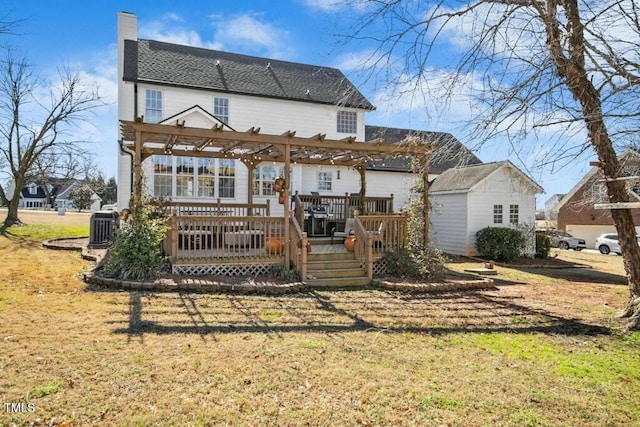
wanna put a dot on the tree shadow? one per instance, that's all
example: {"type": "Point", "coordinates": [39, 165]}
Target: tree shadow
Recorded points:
{"type": "Point", "coordinates": [210, 315]}
{"type": "Point", "coordinates": [577, 274]}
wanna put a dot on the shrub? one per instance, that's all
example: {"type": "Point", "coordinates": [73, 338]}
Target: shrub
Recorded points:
{"type": "Point", "coordinates": [135, 253]}
{"type": "Point", "coordinates": [500, 244]}
{"type": "Point", "coordinates": [422, 264]}
{"type": "Point", "coordinates": [543, 245]}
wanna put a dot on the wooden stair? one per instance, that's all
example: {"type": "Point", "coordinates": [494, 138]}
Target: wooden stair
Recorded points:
{"type": "Point", "coordinates": [336, 270]}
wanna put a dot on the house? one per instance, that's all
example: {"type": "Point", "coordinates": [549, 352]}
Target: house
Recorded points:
{"type": "Point", "coordinates": [576, 212]}
{"type": "Point", "coordinates": [39, 195]}
{"type": "Point", "coordinates": [217, 132]}
{"type": "Point", "coordinates": [551, 207]}
{"type": "Point", "coordinates": [167, 84]}
{"type": "Point", "coordinates": [465, 200]}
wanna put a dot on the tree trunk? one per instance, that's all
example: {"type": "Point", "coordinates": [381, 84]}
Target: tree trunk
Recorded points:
{"type": "Point", "coordinates": [12, 213]}
{"type": "Point", "coordinates": [569, 58]}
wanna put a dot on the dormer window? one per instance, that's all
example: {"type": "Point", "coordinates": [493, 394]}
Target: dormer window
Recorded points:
{"type": "Point", "coordinates": [33, 189]}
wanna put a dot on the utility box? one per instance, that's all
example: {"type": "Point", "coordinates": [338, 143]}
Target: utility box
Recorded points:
{"type": "Point", "coordinates": [102, 228]}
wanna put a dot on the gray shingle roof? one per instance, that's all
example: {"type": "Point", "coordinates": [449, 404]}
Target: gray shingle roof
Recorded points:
{"type": "Point", "coordinates": [465, 178]}
{"type": "Point", "coordinates": [185, 66]}
{"type": "Point", "coordinates": [448, 153]}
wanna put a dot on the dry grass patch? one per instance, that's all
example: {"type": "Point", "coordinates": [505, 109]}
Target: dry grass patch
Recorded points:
{"type": "Point", "coordinates": [539, 350]}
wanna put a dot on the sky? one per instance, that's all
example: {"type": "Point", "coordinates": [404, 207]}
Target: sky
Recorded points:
{"type": "Point", "coordinates": [81, 35]}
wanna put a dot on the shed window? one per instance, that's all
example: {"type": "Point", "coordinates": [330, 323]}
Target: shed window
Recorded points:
{"type": "Point", "coordinates": [514, 214]}
{"type": "Point", "coordinates": [497, 214]}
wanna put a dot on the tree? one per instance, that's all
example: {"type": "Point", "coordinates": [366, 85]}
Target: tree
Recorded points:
{"type": "Point", "coordinates": [569, 67]}
{"type": "Point", "coordinates": [81, 197]}
{"type": "Point", "coordinates": [34, 123]}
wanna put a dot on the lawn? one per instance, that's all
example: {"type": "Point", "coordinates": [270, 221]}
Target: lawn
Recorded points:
{"type": "Point", "coordinates": [542, 349]}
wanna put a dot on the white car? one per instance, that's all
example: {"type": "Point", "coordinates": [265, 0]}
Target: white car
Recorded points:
{"type": "Point", "coordinates": [113, 207]}
{"type": "Point", "coordinates": [608, 242]}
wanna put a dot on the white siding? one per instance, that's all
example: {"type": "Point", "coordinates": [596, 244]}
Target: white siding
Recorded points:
{"type": "Point", "coordinates": [500, 188]}
{"type": "Point", "coordinates": [449, 223]}
{"type": "Point", "coordinates": [273, 116]}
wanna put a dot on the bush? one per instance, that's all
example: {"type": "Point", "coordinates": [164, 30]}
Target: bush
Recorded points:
{"type": "Point", "coordinates": [543, 246]}
{"type": "Point", "coordinates": [135, 253]}
{"type": "Point", "coordinates": [500, 244]}
{"type": "Point", "coordinates": [423, 264]}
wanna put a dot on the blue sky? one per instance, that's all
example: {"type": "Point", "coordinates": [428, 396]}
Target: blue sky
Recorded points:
{"type": "Point", "coordinates": [82, 35]}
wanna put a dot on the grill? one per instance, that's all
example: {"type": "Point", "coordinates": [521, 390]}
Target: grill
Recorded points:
{"type": "Point", "coordinates": [318, 217]}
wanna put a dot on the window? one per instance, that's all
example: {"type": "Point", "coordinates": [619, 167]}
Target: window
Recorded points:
{"type": "Point", "coordinates": [33, 189]}
{"type": "Point", "coordinates": [221, 109]}
{"type": "Point", "coordinates": [184, 176]}
{"type": "Point", "coordinates": [179, 176]}
{"type": "Point", "coordinates": [153, 106]}
{"type": "Point", "coordinates": [227, 178]}
{"type": "Point", "coordinates": [324, 181]}
{"type": "Point", "coordinates": [497, 214]}
{"type": "Point", "coordinates": [206, 177]}
{"type": "Point", "coordinates": [347, 122]}
{"type": "Point", "coordinates": [162, 175]}
{"type": "Point", "coordinates": [265, 175]}
{"type": "Point", "coordinates": [513, 214]}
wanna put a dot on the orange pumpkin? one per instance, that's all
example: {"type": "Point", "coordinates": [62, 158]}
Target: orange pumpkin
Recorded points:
{"type": "Point", "coordinates": [274, 245]}
{"type": "Point", "coordinates": [350, 243]}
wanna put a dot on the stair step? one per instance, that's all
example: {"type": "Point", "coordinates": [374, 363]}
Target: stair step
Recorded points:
{"type": "Point", "coordinates": [335, 272]}
{"type": "Point", "coordinates": [333, 264]}
{"type": "Point", "coordinates": [342, 282]}
{"type": "Point", "coordinates": [331, 256]}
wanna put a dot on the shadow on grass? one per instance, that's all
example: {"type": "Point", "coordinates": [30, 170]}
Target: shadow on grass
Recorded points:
{"type": "Point", "coordinates": [585, 275]}
{"type": "Point", "coordinates": [210, 315]}
{"type": "Point", "coordinates": [17, 239]}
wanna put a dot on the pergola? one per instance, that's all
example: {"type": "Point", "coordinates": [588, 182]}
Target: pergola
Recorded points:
{"type": "Point", "coordinates": [252, 148]}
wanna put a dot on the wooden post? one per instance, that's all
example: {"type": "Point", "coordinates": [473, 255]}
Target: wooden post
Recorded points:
{"type": "Point", "coordinates": [363, 189]}
{"type": "Point", "coordinates": [137, 170]}
{"type": "Point", "coordinates": [425, 184]}
{"type": "Point", "coordinates": [286, 149]}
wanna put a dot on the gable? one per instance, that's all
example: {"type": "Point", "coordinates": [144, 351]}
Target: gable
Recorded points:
{"type": "Point", "coordinates": [195, 116]}
{"type": "Point", "coordinates": [185, 66]}
{"type": "Point", "coordinates": [467, 178]}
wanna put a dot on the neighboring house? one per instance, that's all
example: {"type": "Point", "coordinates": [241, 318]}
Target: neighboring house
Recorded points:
{"type": "Point", "coordinates": [34, 195]}
{"type": "Point", "coordinates": [465, 200]}
{"type": "Point", "coordinates": [551, 207]}
{"type": "Point", "coordinates": [576, 212]}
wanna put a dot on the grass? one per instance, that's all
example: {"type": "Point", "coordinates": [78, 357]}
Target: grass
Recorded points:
{"type": "Point", "coordinates": [543, 349]}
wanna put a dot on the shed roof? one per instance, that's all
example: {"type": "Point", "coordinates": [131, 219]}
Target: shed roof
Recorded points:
{"type": "Point", "coordinates": [465, 178]}
{"type": "Point", "coordinates": [206, 69]}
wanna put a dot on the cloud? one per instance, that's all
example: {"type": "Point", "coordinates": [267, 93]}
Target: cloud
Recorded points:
{"type": "Point", "coordinates": [170, 29]}
{"type": "Point", "coordinates": [250, 33]}
{"type": "Point", "coordinates": [337, 5]}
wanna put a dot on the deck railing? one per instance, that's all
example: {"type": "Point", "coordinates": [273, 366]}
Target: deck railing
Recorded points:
{"type": "Point", "coordinates": [342, 207]}
{"type": "Point", "coordinates": [299, 246]}
{"type": "Point", "coordinates": [194, 238]}
{"type": "Point", "coordinates": [377, 234]}
{"type": "Point", "coordinates": [217, 209]}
